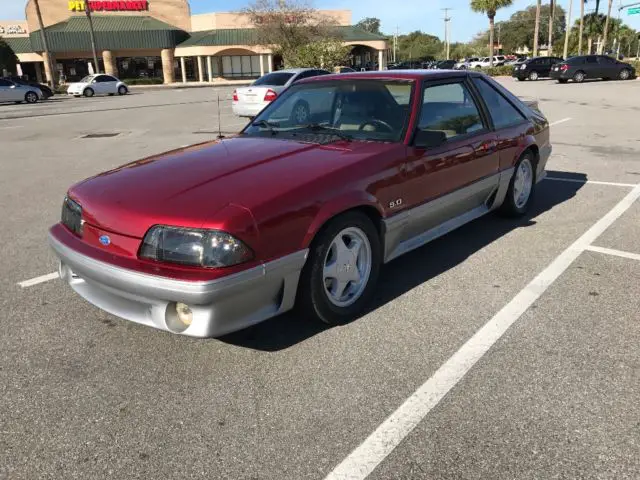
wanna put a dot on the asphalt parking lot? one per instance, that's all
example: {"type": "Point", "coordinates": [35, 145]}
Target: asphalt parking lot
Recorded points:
{"type": "Point", "coordinates": [505, 350]}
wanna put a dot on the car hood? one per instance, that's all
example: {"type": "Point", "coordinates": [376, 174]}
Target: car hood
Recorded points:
{"type": "Point", "coordinates": [73, 86]}
{"type": "Point", "coordinates": [187, 187]}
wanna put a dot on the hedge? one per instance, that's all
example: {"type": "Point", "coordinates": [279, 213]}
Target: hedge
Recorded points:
{"type": "Point", "coordinates": [143, 81]}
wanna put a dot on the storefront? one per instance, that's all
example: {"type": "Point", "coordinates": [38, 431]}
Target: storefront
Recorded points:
{"type": "Point", "coordinates": [157, 40]}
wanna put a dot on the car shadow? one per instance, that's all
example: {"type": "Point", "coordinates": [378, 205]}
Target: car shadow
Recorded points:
{"type": "Point", "coordinates": [415, 268]}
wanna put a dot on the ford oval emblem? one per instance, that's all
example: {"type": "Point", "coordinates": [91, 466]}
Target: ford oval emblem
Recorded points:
{"type": "Point", "coordinates": [105, 240]}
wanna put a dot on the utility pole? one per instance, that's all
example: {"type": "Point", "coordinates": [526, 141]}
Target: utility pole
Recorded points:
{"type": "Point", "coordinates": [551, 13]}
{"type": "Point", "coordinates": [568, 31]}
{"type": "Point", "coordinates": [536, 33]}
{"type": "Point", "coordinates": [447, 19]}
{"type": "Point", "coordinates": [45, 44]}
{"type": "Point", "coordinates": [499, 33]}
{"type": "Point", "coordinates": [87, 11]}
{"type": "Point", "coordinates": [395, 45]}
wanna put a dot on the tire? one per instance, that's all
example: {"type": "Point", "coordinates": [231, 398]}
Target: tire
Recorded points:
{"type": "Point", "coordinates": [111, 94]}
{"type": "Point", "coordinates": [624, 74]}
{"type": "Point", "coordinates": [318, 292]}
{"type": "Point", "coordinates": [88, 92]}
{"type": "Point", "coordinates": [579, 77]}
{"type": "Point", "coordinates": [562, 80]}
{"type": "Point", "coordinates": [123, 90]}
{"type": "Point", "coordinates": [31, 97]}
{"type": "Point", "coordinates": [520, 79]}
{"type": "Point", "coordinates": [300, 114]}
{"type": "Point", "coordinates": [533, 76]}
{"type": "Point", "coordinates": [518, 201]}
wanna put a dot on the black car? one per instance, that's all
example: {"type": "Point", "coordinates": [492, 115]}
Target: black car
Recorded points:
{"type": "Point", "coordinates": [535, 68]}
{"type": "Point", "coordinates": [445, 65]}
{"type": "Point", "coordinates": [46, 91]}
{"type": "Point", "coordinates": [592, 66]}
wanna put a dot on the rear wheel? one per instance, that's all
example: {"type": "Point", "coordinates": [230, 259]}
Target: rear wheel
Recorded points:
{"type": "Point", "coordinates": [579, 77]}
{"type": "Point", "coordinates": [122, 90]}
{"type": "Point", "coordinates": [533, 76]}
{"type": "Point", "coordinates": [624, 74]}
{"type": "Point", "coordinates": [88, 92]}
{"type": "Point", "coordinates": [521, 188]}
{"type": "Point", "coordinates": [339, 278]}
{"type": "Point", "coordinates": [31, 97]}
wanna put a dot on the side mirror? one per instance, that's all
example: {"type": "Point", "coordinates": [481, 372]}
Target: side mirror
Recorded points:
{"type": "Point", "coordinates": [429, 138]}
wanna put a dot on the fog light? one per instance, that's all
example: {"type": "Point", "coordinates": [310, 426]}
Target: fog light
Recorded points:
{"type": "Point", "coordinates": [185, 315]}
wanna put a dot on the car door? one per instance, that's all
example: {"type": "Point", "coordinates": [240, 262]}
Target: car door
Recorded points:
{"type": "Point", "coordinates": [509, 123]}
{"type": "Point", "coordinates": [459, 175]}
{"type": "Point", "coordinates": [592, 67]}
{"type": "Point", "coordinates": [608, 66]}
{"type": "Point", "coordinates": [7, 93]}
{"type": "Point", "coordinates": [543, 66]}
{"type": "Point", "coordinates": [110, 84]}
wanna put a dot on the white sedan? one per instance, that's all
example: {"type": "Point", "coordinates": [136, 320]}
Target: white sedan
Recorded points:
{"type": "Point", "coordinates": [14, 92]}
{"type": "Point", "coordinates": [249, 101]}
{"type": "Point", "coordinates": [99, 84]}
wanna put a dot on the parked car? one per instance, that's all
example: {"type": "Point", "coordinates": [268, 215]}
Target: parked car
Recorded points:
{"type": "Point", "coordinates": [535, 68]}
{"type": "Point", "coordinates": [486, 63]}
{"type": "Point", "coordinates": [45, 89]}
{"type": "Point", "coordinates": [249, 101]}
{"type": "Point", "coordinates": [97, 84]}
{"type": "Point", "coordinates": [13, 92]}
{"type": "Point", "coordinates": [445, 65]}
{"type": "Point", "coordinates": [215, 237]}
{"type": "Point", "coordinates": [585, 67]}
{"type": "Point", "coordinates": [464, 63]}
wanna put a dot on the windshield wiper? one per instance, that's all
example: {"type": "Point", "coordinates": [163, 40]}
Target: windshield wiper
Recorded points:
{"type": "Point", "coordinates": [318, 127]}
{"type": "Point", "coordinates": [266, 124]}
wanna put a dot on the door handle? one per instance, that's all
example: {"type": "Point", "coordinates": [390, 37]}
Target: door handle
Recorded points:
{"type": "Point", "coordinates": [487, 146]}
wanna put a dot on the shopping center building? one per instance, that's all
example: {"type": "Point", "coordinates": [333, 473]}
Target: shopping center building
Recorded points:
{"type": "Point", "coordinates": [159, 39]}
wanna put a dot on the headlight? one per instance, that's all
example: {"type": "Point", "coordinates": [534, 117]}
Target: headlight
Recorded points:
{"type": "Point", "coordinates": [191, 246]}
{"type": "Point", "coordinates": [523, 67]}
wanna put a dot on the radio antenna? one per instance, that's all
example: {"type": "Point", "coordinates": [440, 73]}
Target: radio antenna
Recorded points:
{"type": "Point", "coordinates": [220, 136]}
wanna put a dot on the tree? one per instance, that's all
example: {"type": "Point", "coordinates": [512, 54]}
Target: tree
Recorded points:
{"type": "Point", "coordinates": [325, 54]}
{"type": "Point", "coordinates": [551, 14]}
{"type": "Point", "coordinates": [8, 59]}
{"type": "Point", "coordinates": [370, 24]}
{"type": "Point", "coordinates": [568, 32]}
{"type": "Point", "coordinates": [419, 45]}
{"type": "Point", "coordinates": [536, 29]}
{"type": "Point", "coordinates": [490, 7]}
{"type": "Point", "coordinates": [606, 28]}
{"type": "Point", "coordinates": [289, 25]}
{"type": "Point", "coordinates": [519, 30]}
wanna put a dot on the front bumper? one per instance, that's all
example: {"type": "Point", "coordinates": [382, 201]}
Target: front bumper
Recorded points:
{"type": "Point", "coordinates": [219, 306]}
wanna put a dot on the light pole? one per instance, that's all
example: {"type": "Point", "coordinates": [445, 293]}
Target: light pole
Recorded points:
{"type": "Point", "coordinates": [567, 32]}
{"type": "Point", "coordinates": [87, 11]}
{"type": "Point", "coordinates": [45, 45]}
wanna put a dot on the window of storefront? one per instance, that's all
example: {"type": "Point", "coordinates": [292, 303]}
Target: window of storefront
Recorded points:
{"type": "Point", "coordinates": [240, 66]}
{"type": "Point", "coordinates": [139, 67]}
{"type": "Point", "coordinates": [75, 69]}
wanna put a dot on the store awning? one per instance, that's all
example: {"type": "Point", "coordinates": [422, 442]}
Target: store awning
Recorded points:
{"type": "Point", "coordinates": [113, 32]}
{"type": "Point", "coordinates": [19, 44]}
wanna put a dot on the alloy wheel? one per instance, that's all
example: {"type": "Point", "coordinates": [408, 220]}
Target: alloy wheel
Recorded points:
{"type": "Point", "coordinates": [31, 97]}
{"type": "Point", "coordinates": [624, 74]}
{"type": "Point", "coordinates": [523, 183]}
{"type": "Point", "coordinates": [347, 267]}
{"type": "Point", "coordinates": [533, 76]}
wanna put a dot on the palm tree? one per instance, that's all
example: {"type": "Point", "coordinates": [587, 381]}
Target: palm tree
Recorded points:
{"type": "Point", "coordinates": [581, 27]}
{"type": "Point", "coordinates": [536, 30]}
{"type": "Point", "coordinates": [490, 7]}
{"type": "Point", "coordinates": [551, 12]}
{"type": "Point", "coordinates": [606, 28]}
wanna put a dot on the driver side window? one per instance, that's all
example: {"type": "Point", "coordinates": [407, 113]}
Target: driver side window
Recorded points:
{"type": "Point", "coordinates": [449, 108]}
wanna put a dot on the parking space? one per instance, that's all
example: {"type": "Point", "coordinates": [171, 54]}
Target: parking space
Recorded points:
{"type": "Point", "coordinates": [507, 349]}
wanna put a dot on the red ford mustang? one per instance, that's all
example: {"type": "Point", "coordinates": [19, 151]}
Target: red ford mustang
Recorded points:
{"type": "Point", "coordinates": [337, 176]}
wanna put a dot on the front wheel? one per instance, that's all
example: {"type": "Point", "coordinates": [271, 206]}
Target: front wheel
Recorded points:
{"type": "Point", "coordinates": [625, 74]}
{"type": "Point", "coordinates": [521, 188]}
{"type": "Point", "coordinates": [339, 278]}
{"type": "Point", "coordinates": [533, 76]}
{"type": "Point", "coordinates": [31, 97]}
{"type": "Point", "coordinates": [88, 92]}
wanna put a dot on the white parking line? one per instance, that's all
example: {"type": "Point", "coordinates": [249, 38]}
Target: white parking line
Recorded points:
{"type": "Point", "coordinates": [365, 458]}
{"type": "Point", "coordinates": [41, 279]}
{"type": "Point", "coordinates": [593, 182]}
{"type": "Point", "coordinates": [558, 122]}
{"type": "Point", "coordinates": [611, 251]}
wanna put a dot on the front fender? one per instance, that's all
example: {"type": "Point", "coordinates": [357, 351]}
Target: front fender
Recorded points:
{"type": "Point", "coordinates": [338, 205]}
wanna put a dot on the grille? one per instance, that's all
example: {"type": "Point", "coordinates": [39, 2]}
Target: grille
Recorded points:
{"type": "Point", "coordinates": [72, 216]}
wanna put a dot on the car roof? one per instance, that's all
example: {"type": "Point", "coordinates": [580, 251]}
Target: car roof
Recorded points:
{"type": "Point", "coordinates": [292, 70]}
{"type": "Point", "coordinates": [394, 75]}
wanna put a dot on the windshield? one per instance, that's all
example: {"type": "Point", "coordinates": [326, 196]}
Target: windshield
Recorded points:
{"type": "Point", "coordinates": [365, 109]}
{"type": "Point", "coordinates": [275, 79]}
{"type": "Point", "coordinates": [87, 79]}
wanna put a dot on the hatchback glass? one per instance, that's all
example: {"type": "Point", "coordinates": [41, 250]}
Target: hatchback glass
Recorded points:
{"type": "Point", "coordinates": [375, 110]}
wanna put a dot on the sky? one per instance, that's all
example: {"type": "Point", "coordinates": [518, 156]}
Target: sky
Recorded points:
{"type": "Point", "coordinates": [406, 15]}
